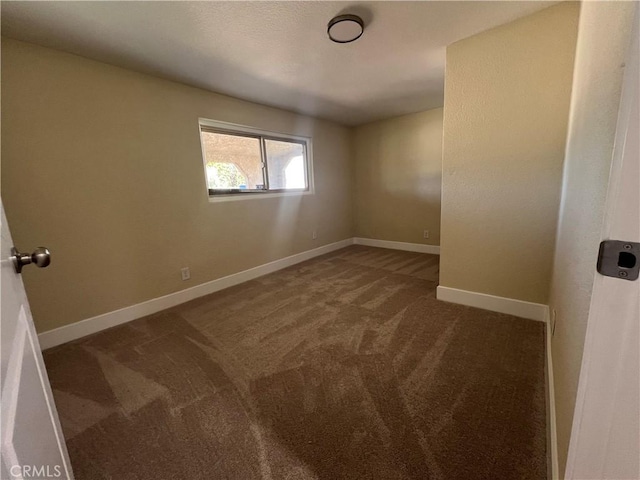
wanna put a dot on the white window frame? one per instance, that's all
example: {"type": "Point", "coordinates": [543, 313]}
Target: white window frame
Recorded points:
{"type": "Point", "coordinates": [231, 128]}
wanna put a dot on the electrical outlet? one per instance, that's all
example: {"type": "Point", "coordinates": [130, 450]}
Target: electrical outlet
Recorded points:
{"type": "Point", "coordinates": [186, 274]}
{"type": "Point", "coordinates": [314, 234]}
{"type": "Point", "coordinates": [426, 234]}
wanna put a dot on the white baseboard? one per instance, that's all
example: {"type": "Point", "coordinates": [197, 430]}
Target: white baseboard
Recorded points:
{"type": "Point", "coordinates": [552, 435]}
{"type": "Point", "coordinates": [518, 308]}
{"type": "Point", "coordinates": [95, 324]}
{"type": "Point", "coordinates": [409, 247]}
{"type": "Point", "coordinates": [82, 328]}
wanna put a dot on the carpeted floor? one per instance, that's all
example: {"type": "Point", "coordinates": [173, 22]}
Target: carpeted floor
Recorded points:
{"type": "Point", "coordinates": [342, 367]}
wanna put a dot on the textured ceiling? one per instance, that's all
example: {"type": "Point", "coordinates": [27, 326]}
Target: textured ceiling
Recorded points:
{"type": "Point", "coordinates": [275, 53]}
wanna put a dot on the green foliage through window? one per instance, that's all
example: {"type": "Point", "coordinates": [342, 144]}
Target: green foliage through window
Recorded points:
{"type": "Point", "coordinates": [225, 175]}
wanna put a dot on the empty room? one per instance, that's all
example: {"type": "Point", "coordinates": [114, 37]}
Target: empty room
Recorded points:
{"type": "Point", "coordinates": [320, 240]}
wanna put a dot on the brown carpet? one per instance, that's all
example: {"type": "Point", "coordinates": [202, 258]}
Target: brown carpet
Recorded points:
{"type": "Point", "coordinates": [345, 366]}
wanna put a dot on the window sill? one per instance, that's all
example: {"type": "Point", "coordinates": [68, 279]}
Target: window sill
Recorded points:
{"type": "Point", "coordinates": [232, 197]}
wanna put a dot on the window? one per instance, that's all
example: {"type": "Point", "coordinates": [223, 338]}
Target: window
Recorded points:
{"type": "Point", "coordinates": [245, 161]}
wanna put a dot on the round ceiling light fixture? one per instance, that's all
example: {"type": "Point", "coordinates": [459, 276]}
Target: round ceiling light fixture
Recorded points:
{"type": "Point", "coordinates": [345, 28]}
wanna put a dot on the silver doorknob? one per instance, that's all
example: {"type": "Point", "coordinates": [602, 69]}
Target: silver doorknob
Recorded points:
{"type": "Point", "coordinates": [40, 258]}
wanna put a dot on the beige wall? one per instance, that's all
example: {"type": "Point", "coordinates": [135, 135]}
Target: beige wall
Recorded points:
{"type": "Point", "coordinates": [103, 166]}
{"type": "Point", "coordinates": [398, 165]}
{"type": "Point", "coordinates": [602, 41]}
{"type": "Point", "coordinates": [507, 94]}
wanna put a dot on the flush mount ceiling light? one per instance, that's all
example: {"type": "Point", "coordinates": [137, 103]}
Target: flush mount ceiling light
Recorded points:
{"type": "Point", "coordinates": [345, 28]}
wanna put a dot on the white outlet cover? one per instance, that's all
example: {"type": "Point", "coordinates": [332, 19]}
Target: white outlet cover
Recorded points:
{"type": "Point", "coordinates": [185, 273]}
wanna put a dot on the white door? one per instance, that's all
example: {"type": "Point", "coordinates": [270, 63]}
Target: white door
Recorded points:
{"type": "Point", "coordinates": [605, 437]}
{"type": "Point", "coordinates": [32, 441]}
